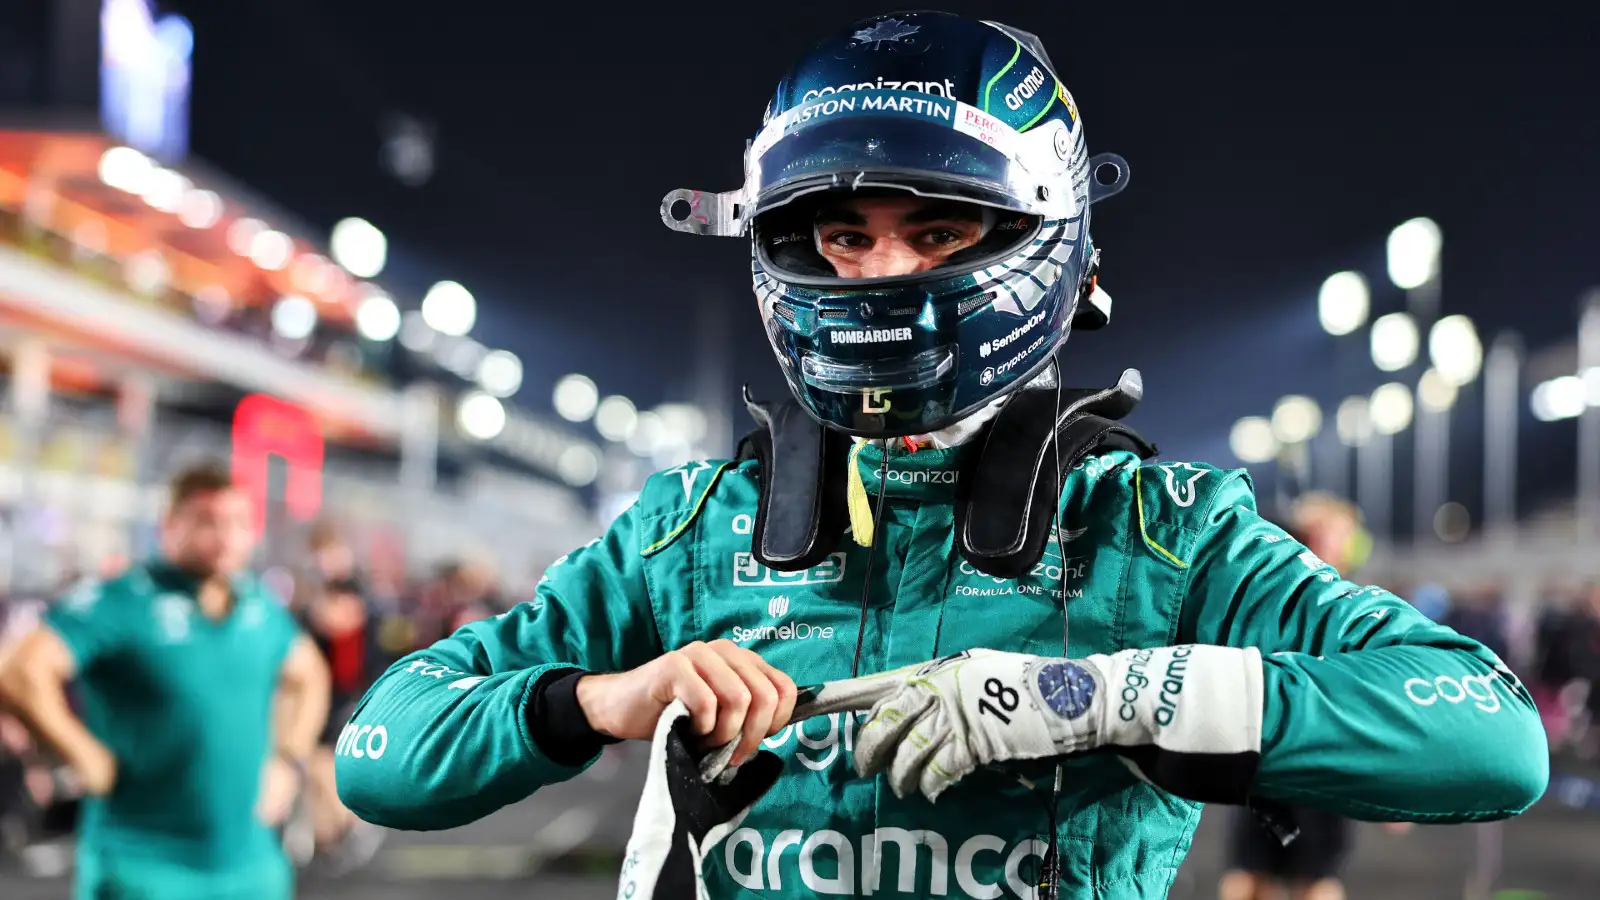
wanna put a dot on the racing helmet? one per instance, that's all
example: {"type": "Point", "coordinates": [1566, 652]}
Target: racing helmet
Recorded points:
{"type": "Point", "coordinates": [934, 106]}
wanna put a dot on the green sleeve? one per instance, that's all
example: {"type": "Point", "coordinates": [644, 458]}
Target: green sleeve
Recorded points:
{"type": "Point", "coordinates": [442, 738]}
{"type": "Point", "coordinates": [1370, 709]}
{"type": "Point", "coordinates": [88, 622]}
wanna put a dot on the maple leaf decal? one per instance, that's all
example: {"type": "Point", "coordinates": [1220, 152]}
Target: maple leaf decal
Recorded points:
{"type": "Point", "coordinates": [889, 31]}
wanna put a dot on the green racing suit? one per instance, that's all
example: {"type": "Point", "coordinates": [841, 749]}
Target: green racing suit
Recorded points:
{"type": "Point", "coordinates": [1369, 709]}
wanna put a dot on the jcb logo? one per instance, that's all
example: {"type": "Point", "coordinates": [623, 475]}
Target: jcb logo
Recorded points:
{"type": "Point", "coordinates": [362, 741]}
{"type": "Point", "coordinates": [749, 572]}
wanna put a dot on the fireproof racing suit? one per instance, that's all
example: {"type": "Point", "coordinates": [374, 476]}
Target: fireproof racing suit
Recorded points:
{"type": "Point", "coordinates": [1369, 709]}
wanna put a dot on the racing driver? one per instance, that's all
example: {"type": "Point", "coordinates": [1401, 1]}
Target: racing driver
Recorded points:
{"type": "Point", "coordinates": [1023, 698]}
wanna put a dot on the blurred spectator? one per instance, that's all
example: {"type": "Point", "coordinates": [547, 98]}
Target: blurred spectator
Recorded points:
{"type": "Point", "coordinates": [1566, 669]}
{"type": "Point", "coordinates": [463, 591]}
{"type": "Point", "coordinates": [1480, 614]}
{"type": "Point", "coordinates": [334, 611]}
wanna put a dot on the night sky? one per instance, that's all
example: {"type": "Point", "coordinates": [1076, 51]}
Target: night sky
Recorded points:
{"type": "Point", "coordinates": [1266, 153]}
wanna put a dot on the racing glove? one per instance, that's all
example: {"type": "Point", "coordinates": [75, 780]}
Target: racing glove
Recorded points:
{"type": "Point", "coordinates": [1185, 718]}
{"type": "Point", "coordinates": [690, 803]}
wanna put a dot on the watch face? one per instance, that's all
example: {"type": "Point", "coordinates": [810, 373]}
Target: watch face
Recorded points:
{"type": "Point", "coordinates": [1067, 688]}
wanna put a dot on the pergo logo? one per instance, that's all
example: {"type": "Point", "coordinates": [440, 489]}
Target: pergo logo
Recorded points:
{"type": "Point", "coordinates": [945, 89]}
{"type": "Point", "coordinates": [1023, 92]}
{"type": "Point", "coordinates": [362, 741]}
{"type": "Point", "coordinates": [778, 607]}
{"type": "Point", "coordinates": [1004, 340]}
{"type": "Point", "coordinates": [750, 572]}
{"type": "Point", "coordinates": [984, 864]}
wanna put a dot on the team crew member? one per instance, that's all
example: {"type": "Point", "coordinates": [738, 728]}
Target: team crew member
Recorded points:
{"type": "Point", "coordinates": [1024, 697]}
{"type": "Point", "coordinates": [181, 662]}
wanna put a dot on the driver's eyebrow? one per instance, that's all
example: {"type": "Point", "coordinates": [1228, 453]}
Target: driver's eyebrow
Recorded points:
{"type": "Point", "coordinates": [840, 215]}
{"type": "Point", "coordinates": [944, 211]}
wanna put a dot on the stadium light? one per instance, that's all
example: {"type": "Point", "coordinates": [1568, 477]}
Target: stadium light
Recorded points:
{"type": "Point", "coordinates": [359, 246]}
{"type": "Point", "coordinates": [1414, 253]}
{"type": "Point", "coordinates": [1455, 350]}
{"type": "Point", "coordinates": [294, 317]}
{"type": "Point", "coordinates": [1391, 408]}
{"type": "Point", "coordinates": [480, 416]}
{"type": "Point", "coordinates": [449, 308]}
{"type": "Point", "coordinates": [649, 434]}
{"type": "Point", "coordinates": [615, 418]}
{"type": "Point", "coordinates": [1591, 385]}
{"type": "Point", "coordinates": [1354, 421]}
{"type": "Point", "coordinates": [1435, 392]}
{"type": "Point", "coordinates": [1343, 303]}
{"type": "Point", "coordinates": [1394, 341]}
{"type": "Point", "coordinates": [578, 465]}
{"type": "Point", "coordinates": [200, 209]}
{"type": "Point", "coordinates": [1251, 440]}
{"type": "Point", "coordinates": [500, 373]}
{"type": "Point", "coordinates": [576, 398]}
{"type": "Point", "coordinates": [164, 190]}
{"type": "Point", "coordinates": [377, 318]}
{"type": "Point", "coordinates": [242, 234]}
{"type": "Point", "coordinates": [271, 249]}
{"type": "Point", "coordinates": [125, 169]}
{"type": "Point", "coordinates": [686, 423]}
{"type": "Point", "coordinates": [1559, 398]}
{"type": "Point", "coordinates": [1296, 419]}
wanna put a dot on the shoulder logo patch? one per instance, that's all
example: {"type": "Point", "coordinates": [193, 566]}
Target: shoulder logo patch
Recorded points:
{"type": "Point", "coordinates": [1182, 494]}
{"type": "Point", "coordinates": [689, 472]}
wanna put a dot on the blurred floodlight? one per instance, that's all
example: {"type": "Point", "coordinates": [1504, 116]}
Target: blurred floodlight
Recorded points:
{"type": "Point", "coordinates": [271, 249]}
{"type": "Point", "coordinates": [1452, 523]}
{"type": "Point", "coordinates": [1414, 253]}
{"type": "Point", "coordinates": [1354, 421]}
{"type": "Point", "coordinates": [459, 356]}
{"type": "Point", "coordinates": [415, 335]}
{"type": "Point", "coordinates": [1251, 440]}
{"type": "Point", "coordinates": [1435, 392]}
{"type": "Point", "coordinates": [578, 465]}
{"type": "Point", "coordinates": [1591, 385]}
{"type": "Point", "coordinates": [1391, 408]}
{"type": "Point", "coordinates": [201, 209]}
{"type": "Point", "coordinates": [125, 169]}
{"type": "Point", "coordinates": [242, 234]}
{"type": "Point", "coordinates": [164, 189]}
{"type": "Point", "coordinates": [449, 308]}
{"type": "Point", "coordinates": [1296, 419]}
{"type": "Point", "coordinates": [1455, 350]}
{"type": "Point", "coordinates": [377, 318]}
{"type": "Point", "coordinates": [615, 418]}
{"type": "Point", "coordinates": [648, 435]}
{"type": "Point", "coordinates": [686, 423]}
{"type": "Point", "coordinates": [1394, 341]}
{"type": "Point", "coordinates": [576, 398]}
{"type": "Point", "coordinates": [294, 317]}
{"type": "Point", "coordinates": [1559, 398]}
{"type": "Point", "coordinates": [1343, 303]}
{"type": "Point", "coordinates": [360, 247]}
{"type": "Point", "coordinates": [147, 272]}
{"type": "Point", "coordinates": [500, 373]}
{"type": "Point", "coordinates": [480, 416]}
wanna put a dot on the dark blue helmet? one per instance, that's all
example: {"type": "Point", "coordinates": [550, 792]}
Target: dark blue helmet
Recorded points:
{"type": "Point", "coordinates": [937, 106]}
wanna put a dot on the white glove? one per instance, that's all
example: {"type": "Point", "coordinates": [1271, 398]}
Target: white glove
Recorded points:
{"type": "Point", "coordinates": [932, 724]}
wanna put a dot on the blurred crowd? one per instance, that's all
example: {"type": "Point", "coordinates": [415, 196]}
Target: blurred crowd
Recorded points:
{"type": "Point", "coordinates": [362, 620]}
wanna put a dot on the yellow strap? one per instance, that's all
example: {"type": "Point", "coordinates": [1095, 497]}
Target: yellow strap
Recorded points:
{"type": "Point", "coordinates": [861, 524]}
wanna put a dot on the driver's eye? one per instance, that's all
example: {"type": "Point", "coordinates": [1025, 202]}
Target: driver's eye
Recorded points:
{"type": "Point", "coordinates": [849, 240]}
{"type": "Point", "coordinates": [942, 237]}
